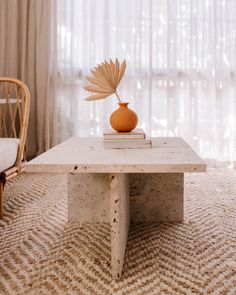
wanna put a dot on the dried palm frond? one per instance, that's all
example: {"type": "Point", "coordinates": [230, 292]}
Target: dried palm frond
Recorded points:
{"type": "Point", "coordinates": [105, 80]}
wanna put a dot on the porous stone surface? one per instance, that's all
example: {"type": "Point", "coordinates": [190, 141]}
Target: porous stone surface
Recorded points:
{"type": "Point", "coordinates": [88, 197]}
{"type": "Point", "coordinates": [120, 220]}
{"type": "Point", "coordinates": [157, 197]}
{"type": "Point", "coordinates": [86, 155]}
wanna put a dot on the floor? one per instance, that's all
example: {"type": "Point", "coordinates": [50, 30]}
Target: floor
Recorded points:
{"type": "Point", "coordinates": [41, 254]}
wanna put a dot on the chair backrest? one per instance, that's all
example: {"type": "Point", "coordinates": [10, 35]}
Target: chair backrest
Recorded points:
{"type": "Point", "coordinates": [14, 112]}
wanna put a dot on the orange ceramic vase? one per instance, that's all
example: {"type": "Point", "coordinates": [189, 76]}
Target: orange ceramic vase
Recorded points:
{"type": "Point", "coordinates": [123, 119]}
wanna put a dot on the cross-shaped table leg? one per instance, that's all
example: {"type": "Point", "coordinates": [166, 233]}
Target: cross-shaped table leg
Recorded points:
{"type": "Point", "coordinates": [103, 197]}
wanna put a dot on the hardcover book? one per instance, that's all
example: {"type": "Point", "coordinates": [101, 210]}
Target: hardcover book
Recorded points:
{"type": "Point", "coordinates": [114, 135]}
{"type": "Point", "coordinates": [127, 144]}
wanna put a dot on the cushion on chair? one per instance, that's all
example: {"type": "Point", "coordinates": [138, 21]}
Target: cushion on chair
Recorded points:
{"type": "Point", "coordinates": [8, 152]}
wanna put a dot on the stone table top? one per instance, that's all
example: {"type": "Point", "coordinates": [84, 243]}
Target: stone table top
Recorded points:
{"type": "Point", "coordinates": [87, 154]}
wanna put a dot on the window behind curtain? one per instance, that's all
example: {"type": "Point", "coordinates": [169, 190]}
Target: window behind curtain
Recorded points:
{"type": "Point", "coordinates": [180, 77]}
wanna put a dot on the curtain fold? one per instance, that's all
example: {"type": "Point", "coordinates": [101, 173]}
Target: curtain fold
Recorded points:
{"type": "Point", "coordinates": [181, 68]}
{"type": "Point", "coordinates": [28, 52]}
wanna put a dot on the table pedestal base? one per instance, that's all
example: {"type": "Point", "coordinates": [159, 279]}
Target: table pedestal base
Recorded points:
{"type": "Point", "coordinates": [121, 198]}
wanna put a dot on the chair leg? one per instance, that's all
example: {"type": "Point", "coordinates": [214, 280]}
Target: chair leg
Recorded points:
{"type": "Point", "coordinates": [1, 198]}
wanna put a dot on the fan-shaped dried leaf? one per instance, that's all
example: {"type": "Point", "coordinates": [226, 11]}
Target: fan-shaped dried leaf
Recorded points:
{"type": "Point", "coordinates": [98, 83]}
{"type": "Point", "coordinates": [122, 70]}
{"type": "Point", "coordinates": [105, 79]}
{"type": "Point", "coordinates": [97, 96]}
{"type": "Point", "coordinates": [101, 78]}
{"type": "Point", "coordinates": [117, 67]}
{"type": "Point", "coordinates": [113, 72]}
{"type": "Point", "coordinates": [103, 71]}
{"type": "Point", "coordinates": [95, 89]}
{"type": "Point", "coordinates": [109, 74]}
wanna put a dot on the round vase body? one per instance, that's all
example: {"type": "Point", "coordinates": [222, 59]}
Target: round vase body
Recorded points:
{"type": "Point", "coordinates": [123, 119]}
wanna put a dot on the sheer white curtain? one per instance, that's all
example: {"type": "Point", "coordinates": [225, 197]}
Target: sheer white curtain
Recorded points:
{"type": "Point", "coordinates": [180, 79]}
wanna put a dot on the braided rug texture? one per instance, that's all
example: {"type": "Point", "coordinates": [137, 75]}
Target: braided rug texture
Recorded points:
{"type": "Point", "coordinates": [41, 254]}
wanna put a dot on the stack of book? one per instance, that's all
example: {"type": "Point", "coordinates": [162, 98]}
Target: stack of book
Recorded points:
{"type": "Point", "coordinates": [135, 139]}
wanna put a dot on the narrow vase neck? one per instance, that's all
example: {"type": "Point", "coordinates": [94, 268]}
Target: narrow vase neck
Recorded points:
{"type": "Point", "coordinates": [123, 104]}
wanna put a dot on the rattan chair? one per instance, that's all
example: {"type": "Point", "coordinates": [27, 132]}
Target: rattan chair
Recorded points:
{"type": "Point", "coordinates": [14, 117]}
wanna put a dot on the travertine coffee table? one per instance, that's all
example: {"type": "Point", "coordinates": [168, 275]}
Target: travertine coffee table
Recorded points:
{"type": "Point", "coordinates": [119, 186]}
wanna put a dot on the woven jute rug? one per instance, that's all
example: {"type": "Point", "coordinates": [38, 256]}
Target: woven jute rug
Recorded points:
{"type": "Point", "coordinates": [41, 254]}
